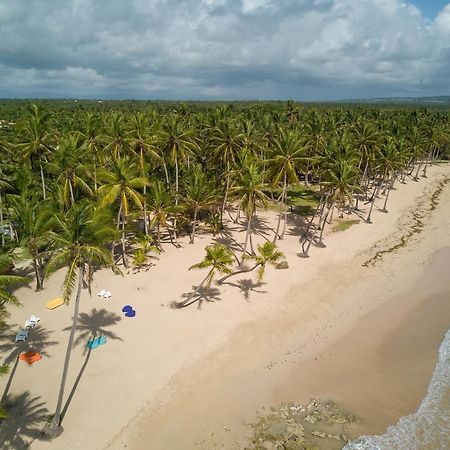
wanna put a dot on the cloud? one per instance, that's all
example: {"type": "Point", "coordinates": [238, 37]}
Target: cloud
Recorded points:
{"type": "Point", "coordinates": [305, 49]}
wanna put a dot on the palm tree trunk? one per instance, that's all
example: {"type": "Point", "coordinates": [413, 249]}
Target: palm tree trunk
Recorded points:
{"type": "Point", "coordinates": [193, 226]}
{"type": "Point", "coordinates": [427, 162]}
{"type": "Point", "coordinates": [283, 200]}
{"type": "Point", "coordinates": [247, 236]}
{"type": "Point", "coordinates": [56, 422]}
{"type": "Point", "coordinates": [225, 198]}
{"type": "Point", "coordinates": [1, 220]}
{"type": "Point", "coordinates": [145, 211]}
{"type": "Point", "coordinates": [330, 210]}
{"type": "Point", "coordinates": [238, 272]}
{"type": "Point", "coordinates": [189, 298]}
{"type": "Point", "coordinates": [72, 197]}
{"type": "Point", "coordinates": [124, 258]}
{"type": "Point", "coordinates": [37, 273]}
{"type": "Point", "coordinates": [43, 181]}
{"type": "Point", "coordinates": [176, 201]}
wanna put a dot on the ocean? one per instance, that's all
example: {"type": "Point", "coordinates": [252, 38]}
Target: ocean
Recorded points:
{"type": "Point", "coordinates": [429, 427]}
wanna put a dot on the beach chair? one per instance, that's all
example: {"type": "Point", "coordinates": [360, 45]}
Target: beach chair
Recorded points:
{"type": "Point", "coordinates": [107, 294]}
{"type": "Point", "coordinates": [32, 321]}
{"type": "Point", "coordinates": [55, 303]}
{"type": "Point", "coordinates": [22, 336]}
{"type": "Point", "coordinates": [101, 293]}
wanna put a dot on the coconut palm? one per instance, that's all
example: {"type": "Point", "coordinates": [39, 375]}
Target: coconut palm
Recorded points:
{"type": "Point", "coordinates": [121, 185]}
{"type": "Point", "coordinates": [266, 254]}
{"type": "Point", "coordinates": [249, 190]}
{"type": "Point", "coordinates": [199, 193]}
{"type": "Point", "coordinates": [67, 163]}
{"type": "Point", "coordinates": [176, 141]}
{"type": "Point", "coordinates": [79, 241]}
{"type": "Point", "coordinates": [226, 141]}
{"type": "Point", "coordinates": [144, 144]}
{"type": "Point", "coordinates": [35, 140]}
{"type": "Point", "coordinates": [218, 259]}
{"type": "Point", "coordinates": [34, 221]}
{"type": "Point", "coordinates": [160, 205]}
{"type": "Point", "coordinates": [286, 155]}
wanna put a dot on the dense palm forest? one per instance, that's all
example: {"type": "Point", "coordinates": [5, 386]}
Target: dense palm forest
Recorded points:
{"type": "Point", "coordinates": [91, 184]}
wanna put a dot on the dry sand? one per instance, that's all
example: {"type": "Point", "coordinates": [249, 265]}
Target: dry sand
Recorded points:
{"type": "Point", "coordinates": [167, 379]}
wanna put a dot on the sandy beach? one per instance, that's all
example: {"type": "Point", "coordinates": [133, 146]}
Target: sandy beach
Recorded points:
{"type": "Point", "coordinates": [359, 322]}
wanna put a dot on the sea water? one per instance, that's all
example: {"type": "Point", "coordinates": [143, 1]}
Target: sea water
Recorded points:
{"type": "Point", "coordinates": [429, 427]}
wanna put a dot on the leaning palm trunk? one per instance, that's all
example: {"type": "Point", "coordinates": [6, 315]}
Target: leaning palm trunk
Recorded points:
{"type": "Point", "coordinates": [188, 300]}
{"type": "Point", "coordinates": [145, 210]}
{"type": "Point", "coordinates": [238, 272]}
{"type": "Point", "coordinates": [247, 235]}
{"type": "Point", "coordinates": [427, 162]}
{"type": "Point", "coordinates": [56, 422]}
{"type": "Point", "coordinates": [43, 181]}
{"type": "Point", "coordinates": [329, 213]}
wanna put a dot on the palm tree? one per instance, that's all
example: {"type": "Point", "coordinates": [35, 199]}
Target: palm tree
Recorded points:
{"type": "Point", "coordinates": [144, 145]}
{"type": "Point", "coordinates": [160, 204]}
{"type": "Point", "coordinates": [67, 162]}
{"type": "Point", "coordinates": [177, 141]}
{"type": "Point", "coordinates": [116, 135]}
{"type": "Point", "coordinates": [34, 221]}
{"type": "Point", "coordinates": [92, 141]}
{"type": "Point", "coordinates": [121, 184]}
{"type": "Point", "coordinates": [286, 155]}
{"type": "Point", "coordinates": [218, 259]}
{"type": "Point", "coordinates": [226, 140]}
{"type": "Point", "coordinates": [267, 254]}
{"type": "Point", "coordinates": [78, 242]}
{"type": "Point", "coordinates": [199, 192]}
{"type": "Point", "coordinates": [35, 140]}
{"type": "Point", "coordinates": [249, 191]}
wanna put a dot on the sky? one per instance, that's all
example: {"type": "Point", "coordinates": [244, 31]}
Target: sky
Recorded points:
{"type": "Point", "coordinates": [224, 49]}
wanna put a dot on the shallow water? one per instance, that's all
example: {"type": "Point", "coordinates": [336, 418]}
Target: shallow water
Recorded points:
{"type": "Point", "coordinates": [429, 427]}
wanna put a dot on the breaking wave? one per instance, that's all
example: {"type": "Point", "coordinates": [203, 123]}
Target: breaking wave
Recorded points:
{"type": "Point", "coordinates": [429, 427]}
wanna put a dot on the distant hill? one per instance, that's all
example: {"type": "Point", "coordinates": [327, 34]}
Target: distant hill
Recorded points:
{"type": "Point", "coordinates": [438, 100]}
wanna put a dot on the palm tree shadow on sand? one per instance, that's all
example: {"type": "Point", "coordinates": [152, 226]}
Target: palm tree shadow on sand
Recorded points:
{"type": "Point", "coordinates": [37, 341]}
{"type": "Point", "coordinates": [90, 326]}
{"type": "Point", "coordinates": [203, 294]}
{"type": "Point", "coordinates": [246, 286]}
{"type": "Point", "coordinates": [26, 415]}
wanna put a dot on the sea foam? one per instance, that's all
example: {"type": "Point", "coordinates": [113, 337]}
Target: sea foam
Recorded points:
{"type": "Point", "coordinates": [429, 427]}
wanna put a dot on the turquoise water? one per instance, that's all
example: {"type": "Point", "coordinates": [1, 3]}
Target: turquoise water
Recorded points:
{"type": "Point", "coordinates": [429, 427]}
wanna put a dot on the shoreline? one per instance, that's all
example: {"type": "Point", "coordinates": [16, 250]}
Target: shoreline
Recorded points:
{"type": "Point", "coordinates": [172, 353]}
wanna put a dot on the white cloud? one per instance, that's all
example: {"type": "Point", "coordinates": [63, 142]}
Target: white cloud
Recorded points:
{"type": "Point", "coordinates": [222, 48]}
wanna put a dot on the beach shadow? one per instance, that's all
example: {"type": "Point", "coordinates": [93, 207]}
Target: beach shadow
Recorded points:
{"type": "Point", "coordinates": [246, 286]}
{"type": "Point", "coordinates": [90, 326]}
{"type": "Point", "coordinates": [204, 294]}
{"type": "Point", "coordinates": [37, 341]}
{"type": "Point", "coordinates": [26, 416]}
